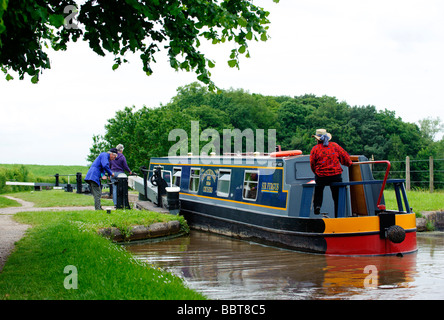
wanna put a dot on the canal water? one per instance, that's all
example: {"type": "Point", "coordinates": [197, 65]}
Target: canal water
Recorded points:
{"type": "Point", "coordinates": [226, 268]}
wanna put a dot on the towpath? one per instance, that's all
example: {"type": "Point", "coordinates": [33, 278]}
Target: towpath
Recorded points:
{"type": "Point", "coordinates": [12, 231]}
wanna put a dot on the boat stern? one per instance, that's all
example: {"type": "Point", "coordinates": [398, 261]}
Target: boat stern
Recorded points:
{"type": "Point", "coordinates": [385, 234]}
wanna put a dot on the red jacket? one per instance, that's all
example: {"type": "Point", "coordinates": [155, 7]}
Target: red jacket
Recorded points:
{"type": "Point", "coordinates": [327, 160]}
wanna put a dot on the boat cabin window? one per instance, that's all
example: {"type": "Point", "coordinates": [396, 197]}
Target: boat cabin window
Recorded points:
{"type": "Point", "coordinates": [177, 173]}
{"type": "Point", "coordinates": [194, 179]}
{"type": "Point", "coordinates": [223, 183]}
{"type": "Point", "coordinates": [251, 180]}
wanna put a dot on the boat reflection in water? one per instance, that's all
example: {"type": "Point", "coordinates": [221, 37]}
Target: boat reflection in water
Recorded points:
{"type": "Point", "coordinates": [225, 268]}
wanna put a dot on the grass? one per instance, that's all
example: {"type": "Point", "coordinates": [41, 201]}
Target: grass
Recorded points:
{"type": "Point", "coordinates": [419, 200]}
{"type": "Point", "coordinates": [5, 202]}
{"type": "Point", "coordinates": [103, 270]}
{"type": "Point", "coordinates": [48, 170]}
{"type": "Point", "coordinates": [91, 220]}
{"type": "Point", "coordinates": [58, 198]}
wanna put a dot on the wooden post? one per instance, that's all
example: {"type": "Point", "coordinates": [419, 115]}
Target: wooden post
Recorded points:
{"type": "Point", "coordinates": [431, 174]}
{"type": "Point", "coordinates": [407, 173]}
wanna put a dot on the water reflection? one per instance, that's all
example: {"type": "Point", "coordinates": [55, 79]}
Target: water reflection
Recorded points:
{"type": "Point", "coordinates": [224, 268]}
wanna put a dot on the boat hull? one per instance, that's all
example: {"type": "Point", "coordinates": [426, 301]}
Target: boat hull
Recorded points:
{"type": "Point", "coordinates": [359, 244]}
{"type": "Point", "coordinates": [338, 236]}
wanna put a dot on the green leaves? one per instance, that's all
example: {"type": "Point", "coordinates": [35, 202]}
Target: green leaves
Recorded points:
{"type": "Point", "coordinates": [232, 63]}
{"type": "Point", "coordinates": [120, 26]}
{"type": "Point", "coordinates": [211, 64]}
{"type": "Point", "coordinates": [57, 20]}
{"type": "Point", "coordinates": [35, 79]}
{"type": "Point", "coordinates": [3, 7]}
{"type": "Point", "coordinates": [242, 22]}
{"type": "Point", "coordinates": [264, 36]}
{"type": "Point", "coordinates": [27, 29]}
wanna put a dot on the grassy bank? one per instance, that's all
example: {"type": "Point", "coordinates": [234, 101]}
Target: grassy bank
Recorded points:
{"type": "Point", "coordinates": [418, 200]}
{"type": "Point", "coordinates": [104, 270]}
{"type": "Point", "coordinates": [5, 202]}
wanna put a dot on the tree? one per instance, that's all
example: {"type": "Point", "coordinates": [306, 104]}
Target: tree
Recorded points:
{"type": "Point", "coordinates": [430, 127]}
{"type": "Point", "coordinates": [361, 130]}
{"type": "Point", "coordinates": [294, 132]}
{"type": "Point", "coordinates": [99, 145]}
{"type": "Point", "coordinates": [118, 27]}
{"type": "Point", "coordinates": [26, 28]}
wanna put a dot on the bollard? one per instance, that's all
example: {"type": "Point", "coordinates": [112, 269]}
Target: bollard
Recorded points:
{"type": "Point", "coordinates": [122, 192]}
{"type": "Point", "coordinates": [173, 203]}
{"type": "Point", "coordinates": [144, 196]}
{"type": "Point", "coordinates": [157, 180]}
{"type": "Point", "coordinates": [79, 182]}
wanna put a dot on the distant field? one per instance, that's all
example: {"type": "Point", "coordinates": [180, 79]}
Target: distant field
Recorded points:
{"type": "Point", "coordinates": [35, 173]}
{"type": "Point", "coordinates": [43, 170]}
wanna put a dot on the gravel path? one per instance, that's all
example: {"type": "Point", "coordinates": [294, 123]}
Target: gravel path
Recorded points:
{"type": "Point", "coordinates": [12, 231]}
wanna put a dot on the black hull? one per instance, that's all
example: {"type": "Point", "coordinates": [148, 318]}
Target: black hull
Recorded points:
{"type": "Point", "coordinates": [292, 233]}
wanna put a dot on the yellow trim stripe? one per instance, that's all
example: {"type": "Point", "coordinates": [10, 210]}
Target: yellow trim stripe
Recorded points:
{"type": "Point", "coordinates": [231, 166]}
{"type": "Point", "coordinates": [233, 201]}
{"type": "Point", "coordinates": [366, 224]}
{"type": "Point", "coordinates": [407, 221]}
{"type": "Point", "coordinates": [352, 224]}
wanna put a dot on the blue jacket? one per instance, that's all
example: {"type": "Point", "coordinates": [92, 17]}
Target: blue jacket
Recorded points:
{"type": "Point", "coordinates": [99, 167]}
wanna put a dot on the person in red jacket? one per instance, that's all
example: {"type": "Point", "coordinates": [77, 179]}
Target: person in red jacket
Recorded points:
{"type": "Point", "coordinates": [325, 161]}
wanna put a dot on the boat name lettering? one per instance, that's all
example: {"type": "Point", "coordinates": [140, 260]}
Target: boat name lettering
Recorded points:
{"type": "Point", "coordinates": [209, 175]}
{"type": "Point", "coordinates": [270, 187]}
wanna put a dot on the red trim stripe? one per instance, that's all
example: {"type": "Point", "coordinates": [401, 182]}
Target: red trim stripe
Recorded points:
{"type": "Point", "coordinates": [369, 245]}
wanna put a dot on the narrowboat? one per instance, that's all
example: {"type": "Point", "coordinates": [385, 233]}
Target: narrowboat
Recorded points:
{"type": "Point", "coordinates": [268, 199]}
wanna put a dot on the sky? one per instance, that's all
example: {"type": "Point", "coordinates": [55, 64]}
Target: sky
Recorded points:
{"type": "Point", "coordinates": [389, 54]}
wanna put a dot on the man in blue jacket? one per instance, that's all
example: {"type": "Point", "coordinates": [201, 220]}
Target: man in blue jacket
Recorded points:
{"type": "Point", "coordinates": [99, 168]}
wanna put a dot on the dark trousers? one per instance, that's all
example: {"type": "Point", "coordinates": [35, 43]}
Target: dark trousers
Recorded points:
{"type": "Point", "coordinates": [97, 194]}
{"type": "Point", "coordinates": [321, 182]}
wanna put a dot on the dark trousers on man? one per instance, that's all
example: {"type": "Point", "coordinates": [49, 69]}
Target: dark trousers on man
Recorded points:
{"type": "Point", "coordinates": [321, 183]}
{"type": "Point", "coordinates": [97, 194]}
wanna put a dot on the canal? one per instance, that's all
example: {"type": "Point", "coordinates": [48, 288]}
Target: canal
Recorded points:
{"type": "Point", "coordinates": [226, 268]}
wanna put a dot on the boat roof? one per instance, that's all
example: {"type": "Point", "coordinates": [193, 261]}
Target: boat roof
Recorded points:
{"type": "Point", "coordinates": [223, 160]}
